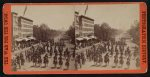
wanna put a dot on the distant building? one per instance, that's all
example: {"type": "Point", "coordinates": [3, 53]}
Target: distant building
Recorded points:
{"type": "Point", "coordinates": [26, 26]}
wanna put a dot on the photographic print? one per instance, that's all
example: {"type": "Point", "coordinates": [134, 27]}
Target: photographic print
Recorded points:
{"type": "Point", "coordinates": [107, 37]}
{"type": "Point", "coordinates": [75, 38]}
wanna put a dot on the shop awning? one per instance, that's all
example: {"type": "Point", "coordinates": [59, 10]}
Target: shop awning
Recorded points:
{"type": "Point", "coordinates": [79, 38]}
{"type": "Point", "coordinates": [26, 39]}
{"type": "Point", "coordinates": [87, 38]}
{"type": "Point", "coordinates": [93, 37]}
{"type": "Point", "coordinates": [18, 39]}
{"type": "Point", "coordinates": [32, 38]}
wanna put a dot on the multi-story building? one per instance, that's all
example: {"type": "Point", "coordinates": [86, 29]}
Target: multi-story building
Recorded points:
{"type": "Point", "coordinates": [76, 24]}
{"type": "Point", "coordinates": [26, 27]}
{"type": "Point", "coordinates": [22, 26]}
{"type": "Point", "coordinates": [15, 25]}
{"type": "Point", "coordinates": [86, 26]}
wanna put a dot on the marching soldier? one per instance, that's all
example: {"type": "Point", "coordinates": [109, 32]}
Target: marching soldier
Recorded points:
{"type": "Point", "coordinates": [76, 63]}
{"type": "Point", "coordinates": [79, 61]}
{"type": "Point", "coordinates": [83, 58]}
{"type": "Point", "coordinates": [51, 51]}
{"type": "Point", "coordinates": [60, 61]}
{"type": "Point", "coordinates": [34, 59]}
{"type": "Point", "coordinates": [18, 61]}
{"type": "Point", "coordinates": [128, 62]}
{"type": "Point", "coordinates": [22, 59]}
{"type": "Point", "coordinates": [46, 60]}
{"type": "Point", "coordinates": [106, 59]}
{"type": "Point", "coordinates": [127, 52]}
{"type": "Point", "coordinates": [95, 59]}
{"type": "Point", "coordinates": [108, 44]}
{"type": "Point", "coordinates": [112, 49]}
{"type": "Point", "coordinates": [137, 62]}
{"type": "Point", "coordinates": [100, 59]}
{"type": "Point", "coordinates": [55, 61]}
{"type": "Point", "coordinates": [65, 53]}
{"type": "Point", "coordinates": [67, 63]}
{"type": "Point", "coordinates": [121, 60]}
{"type": "Point", "coordinates": [116, 51]}
{"type": "Point", "coordinates": [116, 60]}
{"type": "Point", "coordinates": [39, 60]}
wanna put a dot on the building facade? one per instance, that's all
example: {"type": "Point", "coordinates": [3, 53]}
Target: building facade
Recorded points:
{"type": "Point", "coordinates": [86, 26]}
{"type": "Point", "coordinates": [26, 27]}
{"type": "Point", "coordinates": [15, 25]}
{"type": "Point", "coordinates": [22, 26]}
{"type": "Point", "coordinates": [76, 24]}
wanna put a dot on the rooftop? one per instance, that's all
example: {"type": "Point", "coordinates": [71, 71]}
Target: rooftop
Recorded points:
{"type": "Point", "coordinates": [82, 16]}
{"type": "Point", "coordinates": [25, 18]}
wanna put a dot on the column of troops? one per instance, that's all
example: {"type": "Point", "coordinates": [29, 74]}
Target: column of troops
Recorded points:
{"type": "Point", "coordinates": [43, 53]}
{"type": "Point", "coordinates": [105, 50]}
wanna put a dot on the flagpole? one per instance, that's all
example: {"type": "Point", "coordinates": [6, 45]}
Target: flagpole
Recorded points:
{"type": "Point", "coordinates": [25, 10]}
{"type": "Point", "coordinates": [86, 10]}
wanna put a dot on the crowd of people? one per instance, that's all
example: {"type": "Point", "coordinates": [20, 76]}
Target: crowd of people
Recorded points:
{"type": "Point", "coordinates": [19, 45]}
{"type": "Point", "coordinates": [84, 43]}
{"type": "Point", "coordinates": [58, 56]}
{"type": "Point", "coordinates": [103, 52]}
{"type": "Point", "coordinates": [43, 54]}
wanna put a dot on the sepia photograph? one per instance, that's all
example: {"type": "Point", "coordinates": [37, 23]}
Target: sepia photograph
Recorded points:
{"type": "Point", "coordinates": [43, 37]}
{"type": "Point", "coordinates": [75, 37]}
{"type": "Point", "coordinates": [107, 37]}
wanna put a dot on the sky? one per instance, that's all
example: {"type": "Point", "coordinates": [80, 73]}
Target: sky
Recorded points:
{"type": "Point", "coordinates": [60, 17]}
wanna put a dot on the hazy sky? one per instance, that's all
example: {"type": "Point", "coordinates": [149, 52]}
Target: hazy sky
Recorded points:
{"type": "Point", "coordinates": [119, 16]}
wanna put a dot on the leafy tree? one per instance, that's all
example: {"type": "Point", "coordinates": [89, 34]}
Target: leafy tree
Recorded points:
{"type": "Point", "coordinates": [134, 33]}
{"type": "Point", "coordinates": [104, 31]}
{"type": "Point", "coordinates": [44, 33]}
{"type": "Point", "coordinates": [71, 33]}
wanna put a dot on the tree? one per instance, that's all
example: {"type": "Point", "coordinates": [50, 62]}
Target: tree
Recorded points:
{"type": "Point", "coordinates": [71, 33]}
{"type": "Point", "coordinates": [44, 33]}
{"type": "Point", "coordinates": [104, 31]}
{"type": "Point", "coordinates": [134, 33]}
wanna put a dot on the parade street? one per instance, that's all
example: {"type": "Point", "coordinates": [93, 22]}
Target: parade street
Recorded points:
{"type": "Point", "coordinates": [89, 65]}
{"type": "Point", "coordinates": [29, 66]}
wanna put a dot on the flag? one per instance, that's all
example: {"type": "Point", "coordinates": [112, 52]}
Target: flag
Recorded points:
{"type": "Point", "coordinates": [86, 10]}
{"type": "Point", "coordinates": [76, 18]}
{"type": "Point", "coordinates": [25, 10]}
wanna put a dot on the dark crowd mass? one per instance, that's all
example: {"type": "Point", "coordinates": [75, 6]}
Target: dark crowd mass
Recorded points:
{"type": "Point", "coordinates": [41, 54]}
{"type": "Point", "coordinates": [57, 55]}
{"type": "Point", "coordinates": [102, 53]}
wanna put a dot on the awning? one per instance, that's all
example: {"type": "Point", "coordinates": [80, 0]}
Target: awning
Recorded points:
{"type": "Point", "coordinates": [18, 39]}
{"type": "Point", "coordinates": [32, 38]}
{"type": "Point", "coordinates": [79, 38]}
{"type": "Point", "coordinates": [93, 37]}
{"type": "Point", "coordinates": [87, 38]}
{"type": "Point", "coordinates": [26, 39]}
